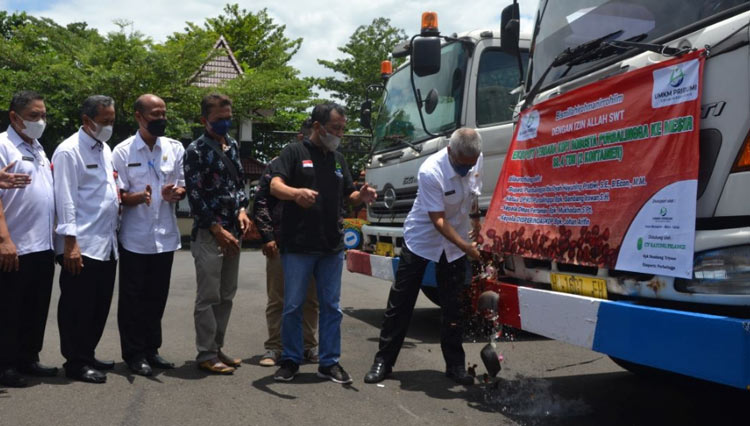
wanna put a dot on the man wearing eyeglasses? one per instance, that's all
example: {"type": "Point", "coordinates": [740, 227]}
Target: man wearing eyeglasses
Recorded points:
{"type": "Point", "coordinates": [26, 246]}
{"type": "Point", "coordinates": [151, 181]}
{"type": "Point", "coordinates": [314, 180]}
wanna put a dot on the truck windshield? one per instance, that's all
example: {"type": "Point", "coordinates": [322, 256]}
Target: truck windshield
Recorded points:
{"type": "Point", "coordinates": [398, 119]}
{"type": "Point", "coordinates": [566, 24]}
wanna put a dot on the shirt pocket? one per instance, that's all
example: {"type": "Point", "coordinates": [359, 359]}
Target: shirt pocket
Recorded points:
{"type": "Point", "coordinates": [452, 196]}
{"type": "Point", "coordinates": [137, 175]}
{"type": "Point", "coordinates": [25, 164]}
{"type": "Point", "coordinates": [168, 171]}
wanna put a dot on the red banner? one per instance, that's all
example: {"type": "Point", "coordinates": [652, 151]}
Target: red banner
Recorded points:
{"type": "Point", "coordinates": [606, 175]}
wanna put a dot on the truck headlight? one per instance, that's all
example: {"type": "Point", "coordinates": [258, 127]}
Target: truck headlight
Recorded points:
{"type": "Point", "coordinates": [722, 271]}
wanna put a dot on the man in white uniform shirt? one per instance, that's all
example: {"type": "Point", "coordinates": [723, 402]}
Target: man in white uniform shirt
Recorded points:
{"type": "Point", "coordinates": [149, 169]}
{"type": "Point", "coordinates": [437, 230]}
{"type": "Point", "coordinates": [87, 204]}
{"type": "Point", "coordinates": [26, 281]}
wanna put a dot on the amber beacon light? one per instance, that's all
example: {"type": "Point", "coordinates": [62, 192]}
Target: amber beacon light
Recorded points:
{"type": "Point", "coordinates": [430, 23]}
{"type": "Point", "coordinates": [742, 163]}
{"type": "Point", "coordinates": [386, 68]}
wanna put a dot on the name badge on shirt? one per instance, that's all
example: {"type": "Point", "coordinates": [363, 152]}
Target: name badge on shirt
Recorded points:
{"type": "Point", "coordinates": [451, 192]}
{"type": "Point", "coordinates": [134, 165]}
{"type": "Point", "coordinates": [27, 158]}
{"type": "Point", "coordinates": [92, 166]}
{"type": "Point", "coordinates": [307, 163]}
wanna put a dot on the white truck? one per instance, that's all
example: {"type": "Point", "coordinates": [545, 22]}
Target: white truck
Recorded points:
{"type": "Point", "coordinates": [471, 88]}
{"type": "Point", "coordinates": [698, 327]}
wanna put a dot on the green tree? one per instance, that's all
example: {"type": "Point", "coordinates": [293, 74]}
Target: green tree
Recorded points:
{"type": "Point", "coordinates": [68, 63]}
{"type": "Point", "coordinates": [367, 47]}
{"type": "Point", "coordinates": [269, 83]}
{"type": "Point", "coordinates": [257, 42]}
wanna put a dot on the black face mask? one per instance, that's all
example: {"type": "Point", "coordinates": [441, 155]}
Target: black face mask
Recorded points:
{"type": "Point", "coordinates": [157, 127]}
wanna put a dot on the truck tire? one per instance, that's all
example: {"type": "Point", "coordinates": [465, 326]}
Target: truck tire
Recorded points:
{"type": "Point", "coordinates": [432, 294]}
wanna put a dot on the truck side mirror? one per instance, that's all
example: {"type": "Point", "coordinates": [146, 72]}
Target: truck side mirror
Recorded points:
{"type": "Point", "coordinates": [510, 28]}
{"type": "Point", "coordinates": [431, 102]}
{"type": "Point", "coordinates": [365, 114]}
{"type": "Point", "coordinates": [425, 56]}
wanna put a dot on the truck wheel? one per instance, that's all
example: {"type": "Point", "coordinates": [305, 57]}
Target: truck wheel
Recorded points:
{"type": "Point", "coordinates": [432, 294]}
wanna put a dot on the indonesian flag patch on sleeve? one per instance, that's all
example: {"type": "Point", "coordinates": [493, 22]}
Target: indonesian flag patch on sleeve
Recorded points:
{"type": "Point", "coordinates": [307, 163]}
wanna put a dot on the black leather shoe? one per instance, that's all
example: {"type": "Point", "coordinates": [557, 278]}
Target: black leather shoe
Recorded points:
{"type": "Point", "coordinates": [37, 369]}
{"type": "Point", "coordinates": [86, 374]}
{"type": "Point", "coordinates": [157, 361]}
{"type": "Point", "coordinates": [103, 365]}
{"type": "Point", "coordinates": [140, 367]}
{"type": "Point", "coordinates": [377, 372]}
{"type": "Point", "coordinates": [12, 378]}
{"type": "Point", "coordinates": [459, 375]}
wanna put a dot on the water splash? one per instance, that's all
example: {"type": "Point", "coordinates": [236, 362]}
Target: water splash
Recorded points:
{"type": "Point", "coordinates": [531, 399]}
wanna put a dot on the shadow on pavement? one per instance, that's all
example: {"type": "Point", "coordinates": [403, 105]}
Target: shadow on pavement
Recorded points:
{"type": "Point", "coordinates": [264, 384]}
{"type": "Point", "coordinates": [187, 371]}
{"type": "Point", "coordinates": [254, 360]}
{"type": "Point", "coordinates": [121, 369]}
{"type": "Point", "coordinates": [618, 398]}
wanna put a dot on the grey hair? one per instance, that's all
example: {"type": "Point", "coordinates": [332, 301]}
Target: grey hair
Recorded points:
{"type": "Point", "coordinates": [466, 142]}
{"type": "Point", "coordinates": [90, 107]}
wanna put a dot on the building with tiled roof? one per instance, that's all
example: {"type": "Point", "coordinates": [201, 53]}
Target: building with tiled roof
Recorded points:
{"type": "Point", "coordinates": [221, 66]}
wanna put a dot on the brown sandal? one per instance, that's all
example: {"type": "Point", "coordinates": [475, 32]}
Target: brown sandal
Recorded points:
{"type": "Point", "coordinates": [216, 366]}
{"type": "Point", "coordinates": [228, 360]}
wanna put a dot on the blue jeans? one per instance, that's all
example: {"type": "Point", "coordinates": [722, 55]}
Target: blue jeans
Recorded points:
{"type": "Point", "coordinates": [326, 268]}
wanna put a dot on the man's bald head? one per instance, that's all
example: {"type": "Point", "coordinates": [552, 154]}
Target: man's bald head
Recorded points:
{"type": "Point", "coordinates": [146, 102]}
{"type": "Point", "coordinates": [151, 115]}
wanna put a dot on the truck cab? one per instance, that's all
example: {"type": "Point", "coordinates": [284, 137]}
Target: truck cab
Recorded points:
{"type": "Point", "coordinates": [474, 89]}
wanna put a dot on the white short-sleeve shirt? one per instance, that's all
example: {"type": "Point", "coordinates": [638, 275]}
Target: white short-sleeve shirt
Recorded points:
{"type": "Point", "coordinates": [86, 196]}
{"type": "Point", "coordinates": [153, 228]}
{"type": "Point", "coordinates": [441, 189]}
{"type": "Point", "coordinates": [29, 211]}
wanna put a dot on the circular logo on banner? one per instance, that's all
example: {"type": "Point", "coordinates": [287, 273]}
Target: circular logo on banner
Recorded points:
{"type": "Point", "coordinates": [677, 77]}
{"type": "Point", "coordinates": [352, 239]}
{"type": "Point", "coordinates": [529, 126]}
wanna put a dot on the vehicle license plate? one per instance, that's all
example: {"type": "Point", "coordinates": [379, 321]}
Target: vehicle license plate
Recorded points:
{"type": "Point", "coordinates": [582, 286]}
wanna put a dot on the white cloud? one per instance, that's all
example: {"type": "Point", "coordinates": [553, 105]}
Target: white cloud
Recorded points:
{"type": "Point", "coordinates": [323, 24]}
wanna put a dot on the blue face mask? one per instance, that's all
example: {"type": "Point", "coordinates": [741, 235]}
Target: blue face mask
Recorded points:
{"type": "Point", "coordinates": [461, 170]}
{"type": "Point", "coordinates": [221, 127]}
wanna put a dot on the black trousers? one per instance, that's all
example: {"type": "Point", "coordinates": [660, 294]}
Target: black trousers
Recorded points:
{"type": "Point", "coordinates": [83, 309]}
{"type": "Point", "coordinates": [24, 305]}
{"type": "Point", "coordinates": [144, 286]}
{"type": "Point", "coordinates": [451, 277]}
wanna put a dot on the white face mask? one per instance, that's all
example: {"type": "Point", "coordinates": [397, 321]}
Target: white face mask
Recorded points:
{"type": "Point", "coordinates": [34, 129]}
{"type": "Point", "coordinates": [330, 141]}
{"type": "Point", "coordinates": [102, 133]}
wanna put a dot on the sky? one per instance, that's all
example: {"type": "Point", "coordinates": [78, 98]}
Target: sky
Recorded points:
{"type": "Point", "coordinates": [324, 25]}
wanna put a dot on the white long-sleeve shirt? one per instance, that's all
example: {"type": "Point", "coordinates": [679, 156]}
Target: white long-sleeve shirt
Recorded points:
{"type": "Point", "coordinates": [149, 229]}
{"type": "Point", "coordinates": [86, 197]}
{"type": "Point", "coordinates": [441, 189]}
{"type": "Point", "coordinates": [29, 211]}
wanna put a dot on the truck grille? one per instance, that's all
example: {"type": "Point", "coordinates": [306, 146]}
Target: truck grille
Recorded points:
{"type": "Point", "coordinates": [404, 200]}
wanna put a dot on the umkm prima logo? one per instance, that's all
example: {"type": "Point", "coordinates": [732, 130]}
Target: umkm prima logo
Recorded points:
{"type": "Point", "coordinates": [677, 77]}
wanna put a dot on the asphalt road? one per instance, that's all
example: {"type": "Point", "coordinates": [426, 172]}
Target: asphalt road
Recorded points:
{"type": "Point", "coordinates": [542, 381]}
